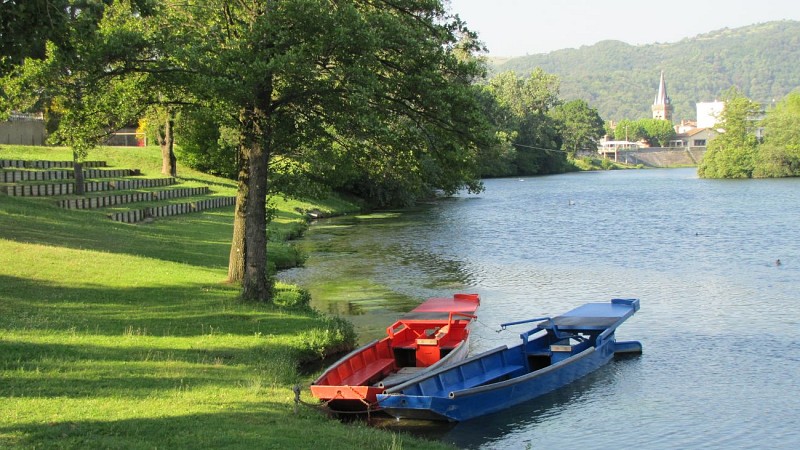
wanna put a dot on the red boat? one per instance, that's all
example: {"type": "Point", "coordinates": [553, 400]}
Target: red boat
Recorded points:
{"type": "Point", "coordinates": [434, 334]}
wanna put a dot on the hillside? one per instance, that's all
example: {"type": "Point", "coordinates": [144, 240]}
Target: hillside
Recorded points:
{"type": "Point", "coordinates": [621, 80]}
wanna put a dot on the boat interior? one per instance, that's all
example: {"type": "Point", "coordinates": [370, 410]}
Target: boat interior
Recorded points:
{"type": "Point", "coordinates": [419, 344]}
{"type": "Point", "coordinates": [409, 345]}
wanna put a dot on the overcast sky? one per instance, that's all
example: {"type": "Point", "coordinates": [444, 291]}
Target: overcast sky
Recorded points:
{"type": "Point", "coordinates": [520, 27]}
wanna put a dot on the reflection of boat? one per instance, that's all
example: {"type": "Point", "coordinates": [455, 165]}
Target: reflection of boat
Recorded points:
{"type": "Point", "coordinates": [432, 335]}
{"type": "Point", "coordinates": [554, 353]}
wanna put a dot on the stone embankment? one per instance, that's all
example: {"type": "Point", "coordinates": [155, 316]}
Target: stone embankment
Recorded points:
{"type": "Point", "coordinates": [663, 157]}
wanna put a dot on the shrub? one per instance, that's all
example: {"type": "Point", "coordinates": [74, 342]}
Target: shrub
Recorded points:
{"type": "Point", "coordinates": [337, 335]}
{"type": "Point", "coordinates": [292, 297]}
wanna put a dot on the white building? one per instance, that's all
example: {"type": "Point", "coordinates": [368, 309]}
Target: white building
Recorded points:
{"type": "Point", "coordinates": [708, 113]}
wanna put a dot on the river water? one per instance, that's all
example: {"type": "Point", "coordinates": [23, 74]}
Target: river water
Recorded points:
{"type": "Point", "coordinates": [720, 316]}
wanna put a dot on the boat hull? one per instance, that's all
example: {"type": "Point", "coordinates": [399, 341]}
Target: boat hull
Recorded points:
{"type": "Point", "coordinates": [433, 335]}
{"type": "Point", "coordinates": [548, 358]}
{"type": "Point", "coordinates": [472, 403]}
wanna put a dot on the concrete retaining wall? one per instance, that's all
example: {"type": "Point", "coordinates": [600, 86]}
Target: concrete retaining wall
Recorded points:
{"type": "Point", "coordinates": [19, 163]}
{"type": "Point", "coordinates": [42, 190]}
{"type": "Point", "coordinates": [111, 200]}
{"type": "Point", "coordinates": [663, 157]}
{"type": "Point", "coordinates": [140, 215]}
{"type": "Point", "coordinates": [23, 132]}
{"type": "Point", "coordinates": [12, 176]}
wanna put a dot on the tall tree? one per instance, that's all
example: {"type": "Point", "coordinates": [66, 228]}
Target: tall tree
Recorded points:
{"type": "Point", "coordinates": [732, 154]}
{"type": "Point", "coordinates": [657, 132]}
{"type": "Point", "coordinates": [378, 79]}
{"type": "Point", "coordinates": [629, 130]}
{"type": "Point", "coordinates": [779, 155]}
{"type": "Point", "coordinates": [521, 116]}
{"type": "Point", "coordinates": [580, 126]}
{"type": "Point", "coordinates": [160, 124]}
{"type": "Point", "coordinates": [81, 78]}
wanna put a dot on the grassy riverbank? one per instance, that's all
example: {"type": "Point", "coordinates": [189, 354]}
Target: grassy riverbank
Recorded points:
{"type": "Point", "coordinates": [126, 336]}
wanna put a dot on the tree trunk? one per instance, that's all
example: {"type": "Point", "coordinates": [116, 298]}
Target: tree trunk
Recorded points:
{"type": "Point", "coordinates": [169, 164]}
{"type": "Point", "coordinates": [255, 150]}
{"type": "Point", "coordinates": [77, 168]}
{"type": "Point", "coordinates": [254, 283]}
{"type": "Point", "coordinates": [237, 255]}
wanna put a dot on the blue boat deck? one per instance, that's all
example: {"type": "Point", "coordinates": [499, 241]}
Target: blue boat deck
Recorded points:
{"type": "Point", "coordinates": [593, 316]}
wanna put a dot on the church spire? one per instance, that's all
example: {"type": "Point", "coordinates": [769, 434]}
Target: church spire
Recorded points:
{"type": "Point", "coordinates": [661, 97]}
{"type": "Point", "coordinates": [662, 106]}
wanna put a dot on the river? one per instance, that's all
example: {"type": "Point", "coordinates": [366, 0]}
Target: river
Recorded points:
{"type": "Point", "coordinates": [715, 263]}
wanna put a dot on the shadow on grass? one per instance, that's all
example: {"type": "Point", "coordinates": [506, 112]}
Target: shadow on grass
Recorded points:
{"type": "Point", "coordinates": [263, 425]}
{"type": "Point", "coordinates": [190, 310]}
{"type": "Point", "coordinates": [84, 370]}
{"type": "Point", "coordinates": [201, 239]}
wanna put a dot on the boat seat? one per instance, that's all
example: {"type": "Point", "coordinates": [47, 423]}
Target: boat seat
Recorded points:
{"type": "Point", "coordinates": [486, 377]}
{"type": "Point", "coordinates": [361, 376]}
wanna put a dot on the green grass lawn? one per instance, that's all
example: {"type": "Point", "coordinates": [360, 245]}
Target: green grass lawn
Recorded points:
{"type": "Point", "coordinates": [125, 336]}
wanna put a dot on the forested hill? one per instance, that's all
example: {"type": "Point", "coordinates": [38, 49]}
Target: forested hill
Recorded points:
{"type": "Point", "coordinates": [621, 80]}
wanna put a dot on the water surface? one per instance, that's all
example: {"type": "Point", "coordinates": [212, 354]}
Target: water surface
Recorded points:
{"type": "Point", "coordinates": [720, 319]}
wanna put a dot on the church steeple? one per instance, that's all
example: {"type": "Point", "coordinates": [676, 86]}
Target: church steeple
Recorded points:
{"type": "Point", "coordinates": [662, 106]}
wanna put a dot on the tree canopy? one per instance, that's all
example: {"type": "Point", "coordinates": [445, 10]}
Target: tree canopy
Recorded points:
{"type": "Point", "coordinates": [779, 155]}
{"type": "Point", "coordinates": [579, 124]}
{"type": "Point", "coordinates": [527, 139]}
{"type": "Point", "coordinates": [318, 86]}
{"type": "Point", "coordinates": [81, 79]}
{"type": "Point", "coordinates": [732, 154]}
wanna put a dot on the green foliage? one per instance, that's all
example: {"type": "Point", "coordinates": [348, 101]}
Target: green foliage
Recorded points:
{"type": "Point", "coordinates": [206, 144]}
{"type": "Point", "coordinates": [282, 256]}
{"type": "Point", "coordinates": [579, 124]}
{"type": "Point", "coordinates": [657, 132]}
{"type": "Point", "coordinates": [292, 297]}
{"type": "Point", "coordinates": [592, 163]}
{"type": "Point", "coordinates": [26, 26]}
{"type": "Point", "coordinates": [779, 155]}
{"type": "Point", "coordinates": [629, 130]}
{"type": "Point", "coordinates": [527, 141]}
{"type": "Point", "coordinates": [374, 99]}
{"type": "Point", "coordinates": [334, 334]}
{"type": "Point", "coordinates": [79, 77]}
{"type": "Point", "coordinates": [733, 153]}
{"type": "Point", "coordinates": [620, 80]}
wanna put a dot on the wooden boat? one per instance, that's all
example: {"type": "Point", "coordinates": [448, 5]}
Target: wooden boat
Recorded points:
{"type": "Point", "coordinates": [554, 353]}
{"type": "Point", "coordinates": [432, 335]}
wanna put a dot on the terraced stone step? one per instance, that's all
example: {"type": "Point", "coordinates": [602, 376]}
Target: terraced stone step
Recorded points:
{"type": "Point", "coordinates": [111, 200]}
{"type": "Point", "coordinates": [43, 190]}
{"type": "Point", "coordinates": [30, 164]}
{"type": "Point", "coordinates": [139, 215]}
{"type": "Point", "coordinates": [14, 176]}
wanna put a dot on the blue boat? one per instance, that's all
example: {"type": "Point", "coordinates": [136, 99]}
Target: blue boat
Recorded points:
{"type": "Point", "coordinates": [556, 352]}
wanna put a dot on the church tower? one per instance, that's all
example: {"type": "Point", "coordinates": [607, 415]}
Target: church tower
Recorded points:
{"type": "Point", "coordinates": [662, 106]}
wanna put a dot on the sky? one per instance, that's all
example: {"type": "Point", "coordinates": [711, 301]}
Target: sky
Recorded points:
{"type": "Point", "coordinates": [521, 27]}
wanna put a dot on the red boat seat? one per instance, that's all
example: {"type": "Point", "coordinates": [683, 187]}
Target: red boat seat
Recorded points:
{"type": "Point", "coordinates": [362, 376]}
